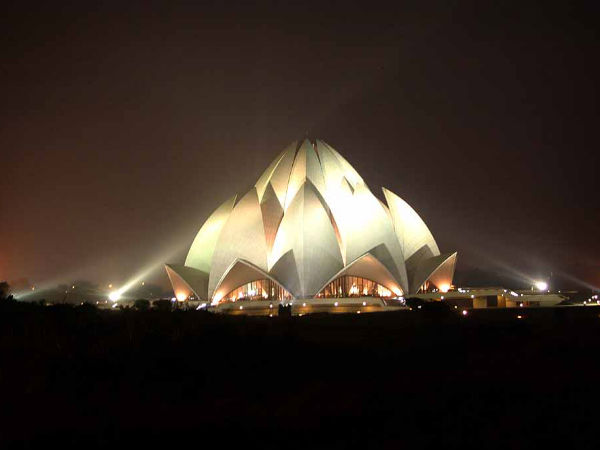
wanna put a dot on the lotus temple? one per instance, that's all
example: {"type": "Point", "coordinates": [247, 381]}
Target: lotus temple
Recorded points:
{"type": "Point", "coordinates": [311, 236]}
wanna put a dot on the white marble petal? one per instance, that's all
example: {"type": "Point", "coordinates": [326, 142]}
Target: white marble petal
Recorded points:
{"type": "Point", "coordinates": [202, 249]}
{"type": "Point", "coordinates": [306, 231]}
{"type": "Point", "coordinates": [186, 280]}
{"type": "Point", "coordinates": [242, 237]}
{"type": "Point", "coordinates": [371, 228]}
{"type": "Point", "coordinates": [410, 228]}
{"type": "Point", "coordinates": [438, 270]}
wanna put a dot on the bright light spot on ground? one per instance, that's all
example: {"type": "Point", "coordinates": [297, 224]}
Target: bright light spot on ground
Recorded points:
{"type": "Point", "coordinates": [541, 285]}
{"type": "Point", "coordinates": [464, 312]}
{"type": "Point", "coordinates": [444, 287]}
{"type": "Point", "coordinates": [181, 296]}
{"type": "Point", "coordinates": [114, 296]}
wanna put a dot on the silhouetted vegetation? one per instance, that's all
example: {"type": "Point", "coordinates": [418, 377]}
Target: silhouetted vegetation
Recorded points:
{"type": "Point", "coordinates": [162, 305]}
{"type": "Point", "coordinates": [5, 292]}
{"type": "Point", "coordinates": [141, 304]}
{"type": "Point", "coordinates": [414, 302]}
{"type": "Point", "coordinates": [284, 310]}
{"type": "Point", "coordinates": [88, 378]}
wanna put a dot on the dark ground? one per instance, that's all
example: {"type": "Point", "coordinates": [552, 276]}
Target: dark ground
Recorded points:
{"type": "Point", "coordinates": [80, 378]}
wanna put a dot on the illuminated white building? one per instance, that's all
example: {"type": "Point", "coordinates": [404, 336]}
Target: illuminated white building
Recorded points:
{"type": "Point", "coordinates": [310, 229]}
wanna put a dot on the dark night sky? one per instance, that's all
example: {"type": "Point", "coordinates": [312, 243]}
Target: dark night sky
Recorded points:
{"type": "Point", "coordinates": [122, 128]}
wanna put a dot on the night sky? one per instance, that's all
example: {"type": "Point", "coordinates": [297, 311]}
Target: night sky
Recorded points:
{"type": "Point", "coordinates": [123, 125]}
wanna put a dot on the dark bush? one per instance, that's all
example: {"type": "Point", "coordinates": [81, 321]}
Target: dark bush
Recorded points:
{"type": "Point", "coordinates": [162, 305]}
{"type": "Point", "coordinates": [414, 302]}
{"type": "Point", "coordinates": [86, 307]}
{"type": "Point", "coordinates": [141, 304]}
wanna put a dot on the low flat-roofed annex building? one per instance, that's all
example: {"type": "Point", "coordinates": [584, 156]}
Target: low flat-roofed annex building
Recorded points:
{"type": "Point", "coordinates": [493, 297]}
{"type": "Point", "coordinates": [311, 234]}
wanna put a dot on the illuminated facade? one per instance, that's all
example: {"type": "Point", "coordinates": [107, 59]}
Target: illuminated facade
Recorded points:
{"type": "Point", "coordinates": [258, 290]}
{"type": "Point", "coordinates": [349, 286]}
{"type": "Point", "coordinates": [310, 229]}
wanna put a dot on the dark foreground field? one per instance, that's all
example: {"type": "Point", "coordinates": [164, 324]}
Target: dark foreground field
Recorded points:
{"type": "Point", "coordinates": [80, 378]}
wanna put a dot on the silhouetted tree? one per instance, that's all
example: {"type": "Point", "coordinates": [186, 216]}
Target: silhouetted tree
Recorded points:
{"type": "Point", "coordinates": [4, 289]}
{"type": "Point", "coordinates": [87, 307]}
{"type": "Point", "coordinates": [414, 302]}
{"type": "Point", "coordinates": [141, 304]}
{"type": "Point", "coordinates": [162, 305]}
{"type": "Point", "coordinates": [284, 311]}
{"type": "Point", "coordinates": [5, 295]}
